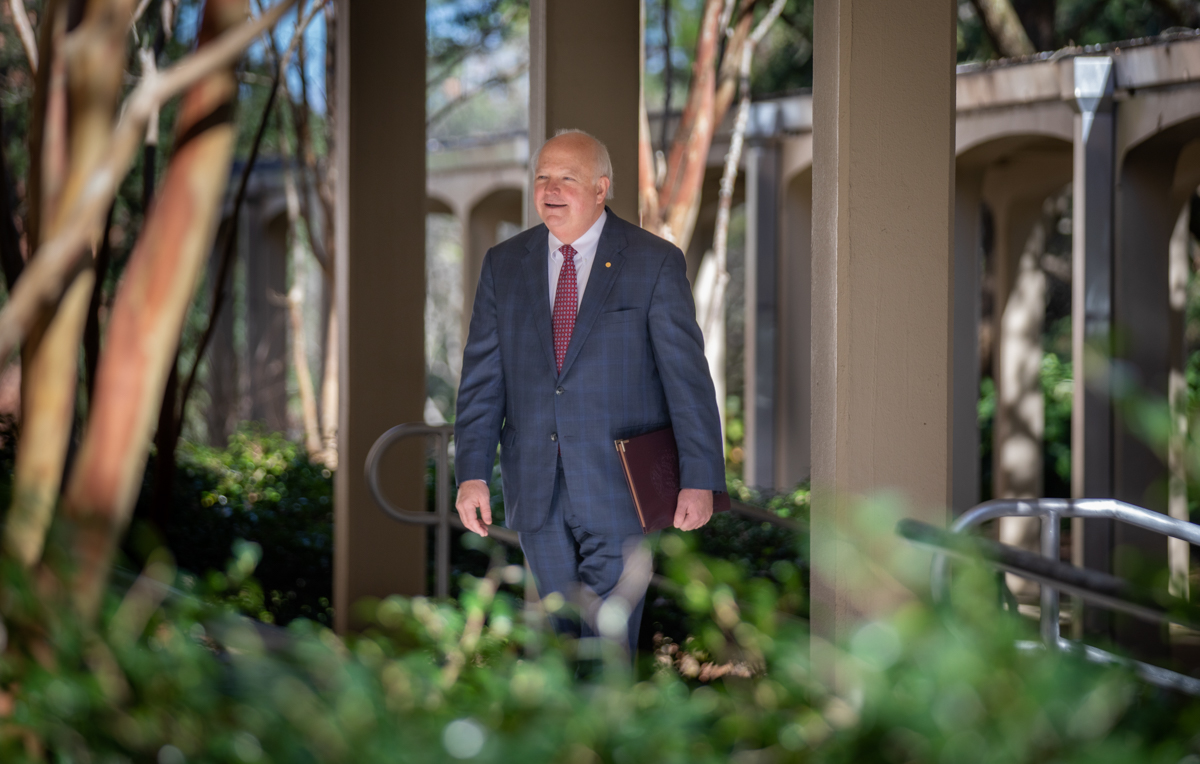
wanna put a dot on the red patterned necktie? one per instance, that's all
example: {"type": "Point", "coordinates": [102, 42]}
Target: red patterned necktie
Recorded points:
{"type": "Point", "coordinates": [566, 304]}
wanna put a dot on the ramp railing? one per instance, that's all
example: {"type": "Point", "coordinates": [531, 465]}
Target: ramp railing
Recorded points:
{"type": "Point", "coordinates": [1055, 576]}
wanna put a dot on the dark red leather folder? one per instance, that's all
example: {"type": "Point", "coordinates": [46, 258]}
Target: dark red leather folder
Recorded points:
{"type": "Point", "coordinates": [651, 463]}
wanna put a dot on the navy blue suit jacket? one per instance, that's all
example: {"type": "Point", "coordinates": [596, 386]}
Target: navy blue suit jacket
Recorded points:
{"type": "Point", "coordinates": [635, 364]}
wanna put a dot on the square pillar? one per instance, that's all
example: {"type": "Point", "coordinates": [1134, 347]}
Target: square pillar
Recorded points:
{"type": "Point", "coordinates": [965, 488]}
{"type": "Point", "coordinates": [883, 230]}
{"type": "Point", "coordinates": [793, 409]}
{"type": "Point", "coordinates": [267, 349]}
{"type": "Point", "coordinates": [1091, 315]}
{"type": "Point", "coordinates": [585, 74]}
{"type": "Point", "coordinates": [380, 293]}
{"type": "Point", "coordinates": [762, 314]}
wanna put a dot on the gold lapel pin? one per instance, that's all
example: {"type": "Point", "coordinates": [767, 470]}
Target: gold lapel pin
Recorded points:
{"type": "Point", "coordinates": [608, 265]}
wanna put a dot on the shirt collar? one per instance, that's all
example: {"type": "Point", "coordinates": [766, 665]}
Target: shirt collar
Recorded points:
{"type": "Point", "coordinates": [586, 243]}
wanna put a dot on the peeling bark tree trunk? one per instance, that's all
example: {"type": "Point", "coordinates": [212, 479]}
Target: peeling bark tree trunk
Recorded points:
{"type": "Point", "coordinates": [93, 61]}
{"type": "Point", "coordinates": [713, 322]}
{"type": "Point", "coordinates": [669, 209]}
{"type": "Point", "coordinates": [147, 317]}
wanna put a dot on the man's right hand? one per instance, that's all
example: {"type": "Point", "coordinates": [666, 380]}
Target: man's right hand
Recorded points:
{"type": "Point", "coordinates": [475, 504]}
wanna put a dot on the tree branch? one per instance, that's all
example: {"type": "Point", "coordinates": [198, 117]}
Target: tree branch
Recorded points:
{"type": "Point", "coordinates": [500, 79]}
{"type": "Point", "coordinates": [689, 147]}
{"type": "Point", "coordinates": [62, 257]}
{"type": "Point", "coordinates": [457, 57]}
{"type": "Point", "coordinates": [716, 307]}
{"type": "Point", "coordinates": [229, 245]}
{"type": "Point", "coordinates": [25, 32]}
{"type": "Point", "coordinates": [301, 118]}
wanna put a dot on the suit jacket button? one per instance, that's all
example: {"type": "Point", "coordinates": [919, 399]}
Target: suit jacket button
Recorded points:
{"type": "Point", "coordinates": [559, 391]}
{"type": "Point", "coordinates": [554, 437]}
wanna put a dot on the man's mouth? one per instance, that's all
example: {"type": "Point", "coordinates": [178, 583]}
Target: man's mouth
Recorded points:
{"type": "Point", "coordinates": [553, 206]}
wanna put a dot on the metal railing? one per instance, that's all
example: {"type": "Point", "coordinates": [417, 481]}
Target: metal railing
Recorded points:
{"type": "Point", "coordinates": [444, 516]}
{"type": "Point", "coordinates": [1055, 576]}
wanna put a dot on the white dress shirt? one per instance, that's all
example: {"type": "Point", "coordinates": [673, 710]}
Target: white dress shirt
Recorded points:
{"type": "Point", "coordinates": [585, 253]}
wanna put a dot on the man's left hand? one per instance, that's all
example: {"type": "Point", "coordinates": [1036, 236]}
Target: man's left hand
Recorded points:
{"type": "Point", "coordinates": [694, 509]}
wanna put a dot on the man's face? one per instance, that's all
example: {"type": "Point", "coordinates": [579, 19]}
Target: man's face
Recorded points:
{"type": "Point", "coordinates": [566, 192]}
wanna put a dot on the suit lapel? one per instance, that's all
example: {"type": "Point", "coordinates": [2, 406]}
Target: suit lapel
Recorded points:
{"type": "Point", "coordinates": [600, 283]}
{"type": "Point", "coordinates": [537, 280]}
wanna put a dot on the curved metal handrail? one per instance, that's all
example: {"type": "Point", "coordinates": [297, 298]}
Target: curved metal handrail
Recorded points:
{"type": "Point", "coordinates": [440, 517]}
{"type": "Point", "coordinates": [443, 518]}
{"type": "Point", "coordinates": [375, 456]}
{"type": "Point", "coordinates": [1050, 511]}
{"type": "Point", "coordinates": [1108, 509]}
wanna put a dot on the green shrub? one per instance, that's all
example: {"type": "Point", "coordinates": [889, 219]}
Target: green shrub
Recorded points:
{"type": "Point", "coordinates": [451, 681]}
{"type": "Point", "coordinates": [260, 488]}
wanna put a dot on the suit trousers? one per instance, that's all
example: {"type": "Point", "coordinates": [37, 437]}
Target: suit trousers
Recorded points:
{"type": "Point", "coordinates": [586, 569]}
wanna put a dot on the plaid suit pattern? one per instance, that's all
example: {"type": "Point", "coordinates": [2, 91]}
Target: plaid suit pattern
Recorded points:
{"type": "Point", "coordinates": [635, 363]}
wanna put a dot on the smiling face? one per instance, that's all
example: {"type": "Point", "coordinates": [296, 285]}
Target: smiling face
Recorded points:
{"type": "Point", "coordinates": [567, 193]}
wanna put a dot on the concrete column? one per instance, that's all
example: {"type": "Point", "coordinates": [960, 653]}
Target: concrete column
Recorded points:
{"type": "Point", "coordinates": [380, 298]}
{"type": "Point", "coordinates": [1091, 314]}
{"type": "Point", "coordinates": [762, 314]}
{"type": "Point", "coordinates": [883, 218]}
{"type": "Point", "coordinates": [793, 462]}
{"type": "Point", "coordinates": [584, 73]}
{"type": "Point", "coordinates": [267, 316]}
{"type": "Point", "coordinates": [1147, 209]}
{"type": "Point", "coordinates": [482, 232]}
{"type": "Point", "coordinates": [1015, 191]}
{"type": "Point", "coordinates": [964, 492]}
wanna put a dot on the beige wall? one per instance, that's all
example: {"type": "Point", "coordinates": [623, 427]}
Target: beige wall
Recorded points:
{"type": "Point", "coordinates": [380, 283]}
{"type": "Point", "coordinates": [883, 189]}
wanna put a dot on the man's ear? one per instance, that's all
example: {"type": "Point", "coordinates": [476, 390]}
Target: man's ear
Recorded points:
{"type": "Point", "coordinates": [602, 185]}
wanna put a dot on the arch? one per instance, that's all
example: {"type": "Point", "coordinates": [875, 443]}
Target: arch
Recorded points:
{"type": "Point", "coordinates": [437, 206]}
{"type": "Point", "coordinates": [1028, 122]}
{"type": "Point", "coordinates": [1158, 118]}
{"type": "Point", "coordinates": [1012, 174]}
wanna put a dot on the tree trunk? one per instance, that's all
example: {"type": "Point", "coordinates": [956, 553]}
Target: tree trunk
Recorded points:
{"type": "Point", "coordinates": [1037, 19]}
{"type": "Point", "coordinates": [1004, 28]}
{"type": "Point", "coordinates": [147, 317]}
{"type": "Point", "coordinates": [308, 400]}
{"type": "Point", "coordinates": [329, 394]}
{"type": "Point", "coordinates": [93, 62]}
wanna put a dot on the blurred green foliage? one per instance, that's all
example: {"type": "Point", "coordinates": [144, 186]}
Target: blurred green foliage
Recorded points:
{"type": "Point", "coordinates": [193, 682]}
{"type": "Point", "coordinates": [261, 488]}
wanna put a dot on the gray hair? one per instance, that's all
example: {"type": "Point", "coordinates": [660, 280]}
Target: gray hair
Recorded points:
{"type": "Point", "coordinates": [604, 167]}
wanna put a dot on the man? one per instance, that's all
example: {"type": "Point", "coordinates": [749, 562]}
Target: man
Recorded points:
{"type": "Point", "coordinates": [583, 331]}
